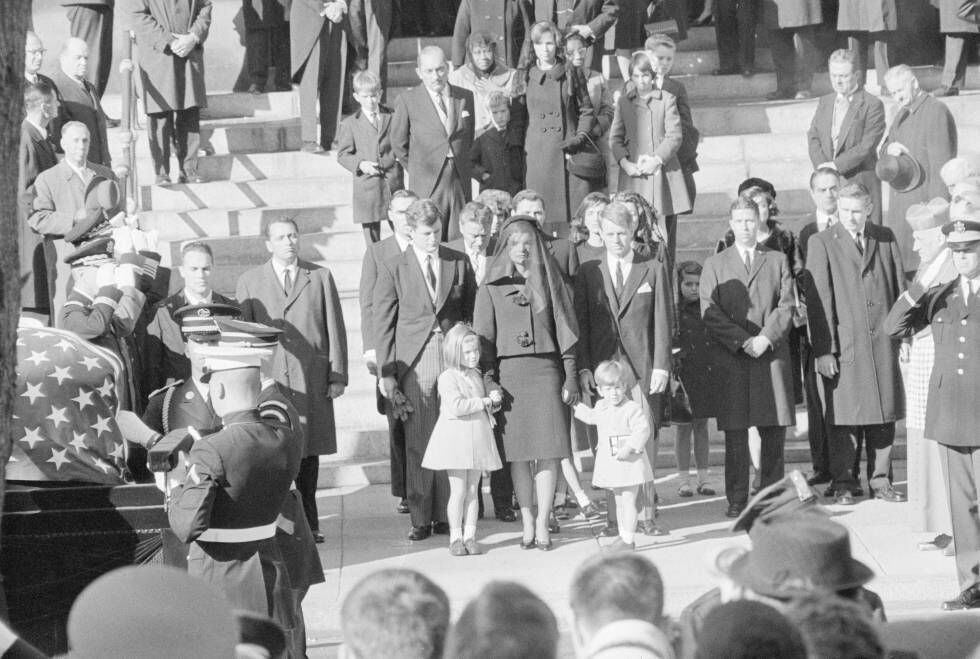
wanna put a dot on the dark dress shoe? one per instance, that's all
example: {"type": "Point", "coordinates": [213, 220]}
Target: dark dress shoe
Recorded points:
{"type": "Point", "coordinates": [420, 533]}
{"type": "Point", "coordinates": [561, 514]}
{"type": "Point", "coordinates": [705, 491]}
{"type": "Point", "coordinates": [318, 538]}
{"type": "Point", "coordinates": [844, 498]}
{"type": "Point", "coordinates": [506, 515]}
{"type": "Point", "coordinates": [402, 507]}
{"type": "Point", "coordinates": [472, 548]}
{"type": "Point", "coordinates": [530, 544]}
{"type": "Point", "coordinates": [553, 526]}
{"type": "Point", "coordinates": [650, 527]}
{"type": "Point", "coordinates": [440, 528]}
{"type": "Point", "coordinates": [254, 89]}
{"type": "Point", "coordinates": [190, 178]}
{"type": "Point", "coordinates": [162, 180]}
{"type": "Point", "coordinates": [781, 95]}
{"type": "Point", "coordinates": [944, 91]}
{"type": "Point", "coordinates": [889, 493]}
{"type": "Point", "coordinates": [968, 599]}
{"type": "Point", "coordinates": [818, 478]}
{"type": "Point", "coordinates": [311, 147]}
{"type": "Point", "coordinates": [591, 511]}
{"type": "Point", "coordinates": [748, 72]}
{"type": "Point", "coordinates": [734, 510]}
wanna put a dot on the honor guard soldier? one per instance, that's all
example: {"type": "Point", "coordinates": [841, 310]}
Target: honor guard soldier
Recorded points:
{"type": "Point", "coordinates": [238, 478]}
{"type": "Point", "coordinates": [952, 414]}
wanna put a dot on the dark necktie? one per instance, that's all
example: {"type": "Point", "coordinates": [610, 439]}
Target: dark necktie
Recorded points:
{"type": "Point", "coordinates": [748, 262]}
{"type": "Point", "coordinates": [619, 279]}
{"type": "Point", "coordinates": [442, 104]}
{"type": "Point", "coordinates": [287, 282]}
{"type": "Point", "coordinates": [859, 240]}
{"type": "Point", "coordinates": [430, 274]}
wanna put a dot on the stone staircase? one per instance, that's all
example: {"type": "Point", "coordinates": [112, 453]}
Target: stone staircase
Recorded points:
{"type": "Point", "coordinates": [256, 171]}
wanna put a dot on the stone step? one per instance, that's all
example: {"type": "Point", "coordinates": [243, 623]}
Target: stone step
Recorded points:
{"type": "Point", "coordinates": [240, 167]}
{"type": "Point", "coordinates": [319, 191]}
{"type": "Point", "coordinates": [178, 226]}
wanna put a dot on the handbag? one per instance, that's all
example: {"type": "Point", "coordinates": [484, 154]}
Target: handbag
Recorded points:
{"type": "Point", "coordinates": [588, 163]}
{"type": "Point", "coordinates": [969, 10]}
{"type": "Point", "coordinates": [678, 405]}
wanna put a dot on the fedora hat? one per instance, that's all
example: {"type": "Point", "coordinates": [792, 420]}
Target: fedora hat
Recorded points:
{"type": "Point", "coordinates": [902, 172]}
{"type": "Point", "coordinates": [795, 555]}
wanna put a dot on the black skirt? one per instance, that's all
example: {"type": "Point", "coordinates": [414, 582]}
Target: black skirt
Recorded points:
{"type": "Point", "coordinates": [534, 422]}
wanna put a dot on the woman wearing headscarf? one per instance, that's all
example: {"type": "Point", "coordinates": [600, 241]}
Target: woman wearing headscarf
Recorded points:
{"type": "Point", "coordinates": [524, 313]}
{"type": "Point", "coordinates": [483, 73]}
{"type": "Point", "coordinates": [559, 118]}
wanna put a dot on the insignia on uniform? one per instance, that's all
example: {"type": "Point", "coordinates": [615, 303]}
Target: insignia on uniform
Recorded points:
{"type": "Point", "coordinates": [203, 312]}
{"type": "Point", "coordinates": [189, 395]}
{"type": "Point", "coordinates": [960, 227]}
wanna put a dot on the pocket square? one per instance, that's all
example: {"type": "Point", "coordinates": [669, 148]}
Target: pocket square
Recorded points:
{"type": "Point", "coordinates": [645, 288]}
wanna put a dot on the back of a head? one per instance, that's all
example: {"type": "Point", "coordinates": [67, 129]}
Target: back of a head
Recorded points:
{"type": "Point", "coordinates": [395, 613]}
{"type": "Point", "coordinates": [748, 630]}
{"type": "Point", "coordinates": [835, 628]}
{"type": "Point", "coordinates": [619, 586]}
{"type": "Point", "coordinates": [504, 621]}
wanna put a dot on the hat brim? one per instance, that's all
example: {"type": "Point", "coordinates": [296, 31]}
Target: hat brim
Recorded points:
{"type": "Point", "coordinates": [740, 571]}
{"type": "Point", "coordinates": [896, 181]}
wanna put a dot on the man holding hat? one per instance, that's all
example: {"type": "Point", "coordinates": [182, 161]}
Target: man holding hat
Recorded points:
{"type": "Point", "coordinates": [952, 414]}
{"type": "Point", "coordinates": [238, 478]}
{"type": "Point", "coordinates": [921, 139]}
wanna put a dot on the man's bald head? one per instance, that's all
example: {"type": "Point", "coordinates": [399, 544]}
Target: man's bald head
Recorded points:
{"type": "Point", "coordinates": [432, 69]}
{"type": "Point", "coordinates": [74, 58]}
{"type": "Point", "coordinates": [33, 53]}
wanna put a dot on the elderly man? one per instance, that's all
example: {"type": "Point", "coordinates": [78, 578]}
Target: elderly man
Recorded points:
{"type": "Point", "coordinates": [924, 131]}
{"type": "Point", "coordinates": [59, 202]}
{"type": "Point", "coordinates": [170, 35]}
{"type": "Point", "coordinates": [431, 135]}
{"type": "Point", "coordinates": [91, 21]}
{"type": "Point", "coordinates": [857, 275]}
{"type": "Point", "coordinates": [33, 59]}
{"type": "Point", "coordinates": [79, 100]}
{"type": "Point", "coordinates": [847, 127]}
{"type": "Point", "coordinates": [952, 414]}
{"type": "Point", "coordinates": [474, 240]}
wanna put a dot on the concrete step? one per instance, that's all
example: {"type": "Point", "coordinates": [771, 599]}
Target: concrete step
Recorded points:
{"type": "Point", "coordinates": [699, 231]}
{"type": "Point", "coordinates": [319, 191]}
{"type": "Point", "coordinates": [239, 167]}
{"type": "Point", "coordinates": [178, 226]}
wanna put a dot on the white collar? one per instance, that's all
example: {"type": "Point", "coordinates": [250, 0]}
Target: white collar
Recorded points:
{"type": "Point", "coordinates": [422, 256]}
{"type": "Point", "coordinates": [403, 243]}
{"type": "Point", "coordinates": [80, 172]}
{"type": "Point", "coordinates": [193, 299]}
{"type": "Point", "coordinates": [280, 269]}
{"type": "Point", "coordinates": [41, 129]}
{"type": "Point", "coordinates": [825, 220]}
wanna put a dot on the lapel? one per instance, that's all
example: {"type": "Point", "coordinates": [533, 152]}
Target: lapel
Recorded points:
{"type": "Point", "coordinates": [415, 273]}
{"type": "Point", "coordinates": [845, 126]}
{"type": "Point", "coordinates": [758, 260]}
{"type": "Point", "coordinates": [847, 245]}
{"type": "Point", "coordinates": [455, 109]}
{"type": "Point", "coordinates": [384, 118]}
{"type": "Point", "coordinates": [447, 269]}
{"type": "Point", "coordinates": [871, 238]}
{"type": "Point", "coordinates": [638, 273]}
{"type": "Point", "coordinates": [302, 281]}
{"type": "Point", "coordinates": [736, 265]}
{"type": "Point", "coordinates": [435, 111]}
{"type": "Point", "coordinates": [607, 286]}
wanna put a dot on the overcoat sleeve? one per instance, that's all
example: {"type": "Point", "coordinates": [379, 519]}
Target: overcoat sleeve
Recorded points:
{"type": "Point", "coordinates": [673, 136]}
{"type": "Point", "coordinates": [818, 155]}
{"type": "Point", "coordinates": [778, 323]}
{"type": "Point", "coordinates": [365, 293]}
{"type": "Point", "coordinates": [909, 315]}
{"type": "Point", "coordinates": [399, 132]}
{"type": "Point", "coordinates": [93, 319]}
{"type": "Point", "coordinates": [346, 151]}
{"type": "Point", "coordinates": [821, 305]}
{"type": "Point", "coordinates": [461, 32]}
{"type": "Point", "coordinates": [336, 331]}
{"type": "Point", "coordinates": [663, 320]}
{"type": "Point", "coordinates": [385, 310]}
{"type": "Point", "coordinates": [721, 328]}
{"type": "Point", "coordinates": [485, 324]}
{"type": "Point", "coordinates": [148, 28]}
{"type": "Point", "coordinates": [45, 219]}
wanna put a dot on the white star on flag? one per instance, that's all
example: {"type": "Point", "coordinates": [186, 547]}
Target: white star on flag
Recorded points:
{"type": "Point", "coordinates": [90, 362]}
{"type": "Point", "coordinates": [64, 344]}
{"type": "Point", "coordinates": [78, 442]}
{"type": "Point", "coordinates": [106, 389]}
{"type": "Point", "coordinates": [38, 358]}
{"type": "Point", "coordinates": [33, 392]}
{"type": "Point", "coordinates": [84, 399]}
{"type": "Point", "coordinates": [57, 415]}
{"type": "Point", "coordinates": [102, 464]}
{"type": "Point", "coordinates": [101, 426]}
{"type": "Point", "coordinates": [32, 437]}
{"type": "Point", "coordinates": [117, 452]}
{"type": "Point", "coordinates": [58, 457]}
{"type": "Point", "coordinates": [61, 373]}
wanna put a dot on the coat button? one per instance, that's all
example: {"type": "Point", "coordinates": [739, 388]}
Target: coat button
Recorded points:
{"type": "Point", "coordinates": [962, 339]}
{"type": "Point", "coordinates": [870, 303]}
{"type": "Point", "coordinates": [959, 371]}
{"type": "Point", "coordinates": [960, 356]}
{"type": "Point", "coordinates": [963, 322]}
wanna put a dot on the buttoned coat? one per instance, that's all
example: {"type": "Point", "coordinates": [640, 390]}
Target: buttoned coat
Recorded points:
{"type": "Point", "coordinates": [846, 310]}
{"type": "Point", "coordinates": [404, 313]}
{"type": "Point", "coordinates": [358, 140]}
{"type": "Point", "coordinates": [312, 350]}
{"type": "Point", "coordinates": [867, 16]}
{"type": "Point", "coordinates": [949, 21]}
{"type": "Point", "coordinates": [636, 327]}
{"type": "Point", "coordinates": [421, 143]}
{"type": "Point", "coordinates": [507, 21]}
{"type": "Point", "coordinates": [928, 131]}
{"type": "Point", "coordinates": [687, 154]}
{"type": "Point", "coordinates": [77, 102]}
{"type": "Point", "coordinates": [599, 15]}
{"type": "Point", "coordinates": [666, 188]}
{"type": "Point", "coordinates": [857, 146]}
{"type": "Point", "coordinates": [782, 14]}
{"type": "Point", "coordinates": [171, 82]}
{"type": "Point", "coordinates": [952, 412]}
{"type": "Point", "coordinates": [35, 156]}
{"type": "Point", "coordinates": [737, 305]}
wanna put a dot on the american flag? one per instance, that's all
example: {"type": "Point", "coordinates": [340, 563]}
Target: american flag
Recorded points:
{"type": "Point", "coordinates": [64, 426]}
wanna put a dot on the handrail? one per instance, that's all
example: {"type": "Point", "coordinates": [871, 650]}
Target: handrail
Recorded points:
{"type": "Point", "coordinates": [128, 178]}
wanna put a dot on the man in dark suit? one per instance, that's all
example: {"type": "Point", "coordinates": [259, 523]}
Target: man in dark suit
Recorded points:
{"type": "Point", "coordinates": [420, 295]}
{"type": "Point", "coordinates": [370, 29]}
{"type": "Point", "coordinates": [431, 135]}
{"type": "Point", "coordinates": [266, 44]}
{"type": "Point", "coordinates": [952, 413]}
{"type": "Point", "coordinates": [376, 254]}
{"type": "Point", "coordinates": [735, 31]}
{"type": "Point", "coordinates": [923, 129]}
{"type": "Point", "coordinates": [36, 155]}
{"type": "Point", "coordinates": [318, 55]}
{"type": "Point", "coordinates": [624, 305]}
{"type": "Point", "coordinates": [856, 270]}
{"type": "Point", "coordinates": [590, 18]}
{"type": "Point", "coordinates": [747, 304]}
{"type": "Point", "coordinates": [530, 203]}
{"type": "Point", "coordinates": [79, 101]}
{"type": "Point", "coordinates": [33, 59]}
{"type": "Point", "coordinates": [847, 127]}
{"type": "Point", "coordinates": [164, 359]}
{"type": "Point", "coordinates": [91, 21]}
{"type": "Point", "coordinates": [824, 184]}
{"type": "Point", "coordinates": [310, 363]}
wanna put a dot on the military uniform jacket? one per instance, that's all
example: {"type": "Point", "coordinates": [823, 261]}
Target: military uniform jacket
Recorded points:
{"type": "Point", "coordinates": [952, 410]}
{"type": "Point", "coordinates": [847, 304]}
{"type": "Point", "coordinates": [180, 405]}
{"type": "Point", "coordinates": [737, 305]}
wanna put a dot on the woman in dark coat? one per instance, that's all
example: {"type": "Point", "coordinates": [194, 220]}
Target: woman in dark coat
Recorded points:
{"type": "Point", "coordinates": [524, 313]}
{"type": "Point", "coordinates": [559, 116]}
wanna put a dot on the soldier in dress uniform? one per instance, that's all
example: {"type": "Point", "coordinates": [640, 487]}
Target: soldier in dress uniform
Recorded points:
{"type": "Point", "coordinates": [237, 479]}
{"type": "Point", "coordinates": [952, 416]}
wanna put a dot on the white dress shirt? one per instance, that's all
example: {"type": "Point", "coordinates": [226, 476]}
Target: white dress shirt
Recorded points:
{"type": "Point", "coordinates": [625, 263]}
{"type": "Point", "coordinates": [280, 271]}
{"type": "Point", "coordinates": [422, 259]}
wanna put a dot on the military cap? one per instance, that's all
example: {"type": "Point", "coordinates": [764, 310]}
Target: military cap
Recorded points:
{"type": "Point", "coordinates": [197, 321]}
{"type": "Point", "coordinates": [928, 215]}
{"type": "Point", "coordinates": [786, 497]}
{"type": "Point", "coordinates": [93, 252]}
{"type": "Point", "coordinates": [239, 344]}
{"type": "Point", "coordinates": [960, 232]}
{"type": "Point", "coordinates": [150, 611]}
